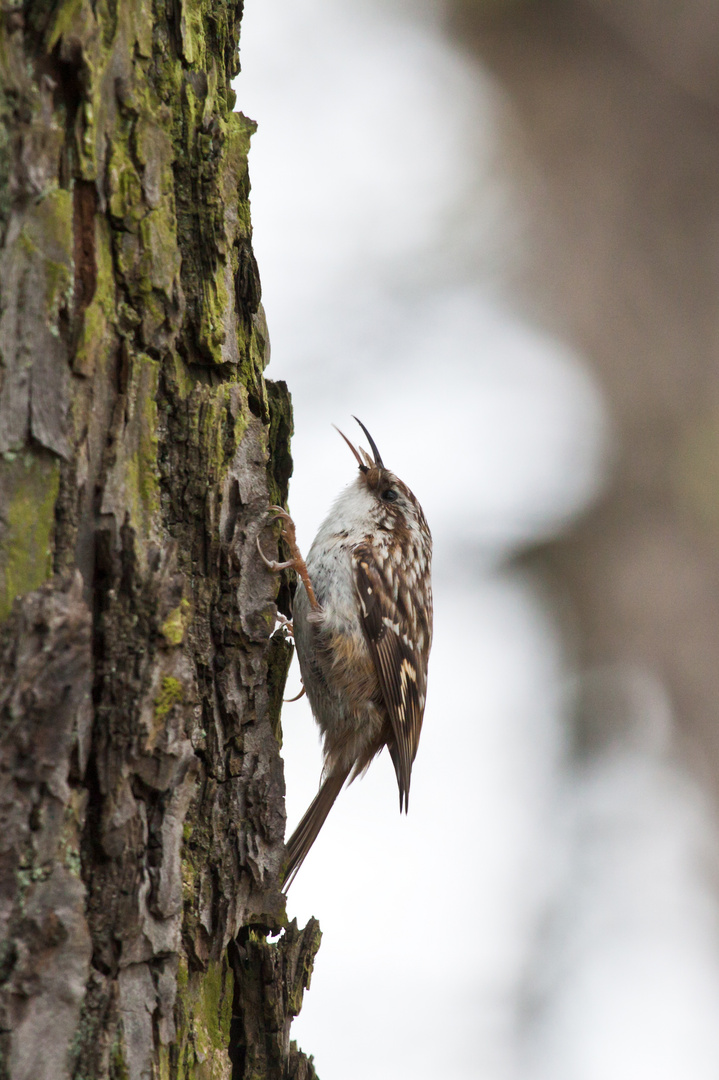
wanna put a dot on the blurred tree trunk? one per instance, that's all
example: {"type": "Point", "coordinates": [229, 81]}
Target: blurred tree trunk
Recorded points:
{"type": "Point", "coordinates": [611, 149]}
{"type": "Point", "coordinates": [141, 787]}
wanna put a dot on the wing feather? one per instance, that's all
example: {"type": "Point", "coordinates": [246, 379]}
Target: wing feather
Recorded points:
{"type": "Point", "coordinates": [398, 632]}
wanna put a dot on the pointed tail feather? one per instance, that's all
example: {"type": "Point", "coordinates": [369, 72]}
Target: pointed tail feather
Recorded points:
{"type": "Point", "coordinates": [403, 770]}
{"type": "Point", "coordinates": [308, 829]}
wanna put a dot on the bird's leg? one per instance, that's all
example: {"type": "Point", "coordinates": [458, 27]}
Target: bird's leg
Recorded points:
{"type": "Point", "coordinates": [295, 562]}
{"type": "Point", "coordinates": [287, 628]}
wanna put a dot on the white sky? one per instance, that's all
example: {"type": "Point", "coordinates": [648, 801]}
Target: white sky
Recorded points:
{"type": "Point", "coordinates": [530, 919]}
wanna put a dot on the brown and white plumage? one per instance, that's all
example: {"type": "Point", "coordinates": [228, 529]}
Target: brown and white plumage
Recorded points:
{"type": "Point", "coordinates": [363, 630]}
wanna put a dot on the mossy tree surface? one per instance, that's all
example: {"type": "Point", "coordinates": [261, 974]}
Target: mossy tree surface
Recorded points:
{"type": "Point", "coordinates": [141, 788]}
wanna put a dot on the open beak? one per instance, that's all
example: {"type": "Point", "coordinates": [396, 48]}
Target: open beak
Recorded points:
{"type": "Point", "coordinates": [361, 456]}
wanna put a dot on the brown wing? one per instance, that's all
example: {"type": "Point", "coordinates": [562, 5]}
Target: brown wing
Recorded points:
{"type": "Point", "coordinates": [398, 629]}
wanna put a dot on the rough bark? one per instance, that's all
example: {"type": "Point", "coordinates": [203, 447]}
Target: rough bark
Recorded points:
{"type": "Point", "coordinates": [141, 787]}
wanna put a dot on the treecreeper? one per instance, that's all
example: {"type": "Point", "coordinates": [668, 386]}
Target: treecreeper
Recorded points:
{"type": "Point", "coordinates": [363, 629]}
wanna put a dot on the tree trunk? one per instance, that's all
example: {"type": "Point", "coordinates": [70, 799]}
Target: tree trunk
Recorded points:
{"type": "Point", "coordinates": [141, 787]}
{"type": "Point", "coordinates": [611, 146]}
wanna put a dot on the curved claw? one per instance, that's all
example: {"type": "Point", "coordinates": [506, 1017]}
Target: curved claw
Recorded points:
{"type": "Point", "coordinates": [285, 624]}
{"type": "Point", "coordinates": [288, 700]}
{"type": "Point", "coordinates": [280, 512]}
{"type": "Point", "coordinates": [295, 562]}
{"type": "Point", "coordinates": [272, 564]}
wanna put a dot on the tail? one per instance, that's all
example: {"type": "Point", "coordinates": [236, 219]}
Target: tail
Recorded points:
{"type": "Point", "coordinates": [307, 831]}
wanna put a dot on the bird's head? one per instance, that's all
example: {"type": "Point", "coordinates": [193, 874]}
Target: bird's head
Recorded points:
{"type": "Point", "coordinates": [394, 505]}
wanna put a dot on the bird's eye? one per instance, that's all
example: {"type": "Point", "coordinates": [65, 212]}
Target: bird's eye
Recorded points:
{"type": "Point", "coordinates": [390, 495]}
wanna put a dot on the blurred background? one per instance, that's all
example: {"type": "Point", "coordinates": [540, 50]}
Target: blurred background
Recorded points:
{"type": "Point", "coordinates": [491, 231]}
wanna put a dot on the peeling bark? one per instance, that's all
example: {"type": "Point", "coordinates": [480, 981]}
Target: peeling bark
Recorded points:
{"type": "Point", "coordinates": [141, 787]}
{"type": "Point", "coordinates": [269, 984]}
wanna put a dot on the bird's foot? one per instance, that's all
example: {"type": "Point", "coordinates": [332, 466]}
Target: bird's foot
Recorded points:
{"type": "Point", "coordinates": [285, 624]}
{"type": "Point", "coordinates": [295, 562]}
{"type": "Point", "coordinates": [287, 629]}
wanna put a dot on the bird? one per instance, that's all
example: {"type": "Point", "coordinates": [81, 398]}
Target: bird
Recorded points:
{"type": "Point", "coordinates": [362, 626]}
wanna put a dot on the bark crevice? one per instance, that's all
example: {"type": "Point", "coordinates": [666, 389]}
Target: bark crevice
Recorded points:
{"type": "Point", "coordinates": [142, 794]}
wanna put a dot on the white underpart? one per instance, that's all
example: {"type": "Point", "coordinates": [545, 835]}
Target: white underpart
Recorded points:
{"type": "Point", "coordinates": [331, 556]}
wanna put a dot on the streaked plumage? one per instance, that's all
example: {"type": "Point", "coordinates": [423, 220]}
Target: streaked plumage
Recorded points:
{"type": "Point", "coordinates": [363, 649]}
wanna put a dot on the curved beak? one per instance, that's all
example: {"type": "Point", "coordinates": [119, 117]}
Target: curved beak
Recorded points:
{"type": "Point", "coordinates": [361, 456]}
{"type": "Point", "coordinates": [377, 456]}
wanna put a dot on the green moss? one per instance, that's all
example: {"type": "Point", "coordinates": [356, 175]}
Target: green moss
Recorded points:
{"type": "Point", "coordinates": [69, 846]}
{"type": "Point", "coordinates": [214, 1012]}
{"type": "Point", "coordinates": [142, 23]}
{"type": "Point", "coordinates": [215, 302]}
{"type": "Point", "coordinates": [160, 260]}
{"type": "Point", "coordinates": [171, 693]}
{"type": "Point", "coordinates": [239, 132]}
{"type": "Point", "coordinates": [210, 424]}
{"type": "Point", "coordinates": [205, 1011]}
{"type": "Point", "coordinates": [180, 380]}
{"type": "Point", "coordinates": [118, 1069]}
{"type": "Point", "coordinates": [198, 841]}
{"type": "Point", "coordinates": [281, 428]}
{"type": "Point", "coordinates": [193, 32]}
{"type": "Point", "coordinates": [59, 282]}
{"type": "Point", "coordinates": [189, 879]}
{"type": "Point", "coordinates": [260, 350]}
{"type": "Point", "coordinates": [164, 1067]}
{"type": "Point", "coordinates": [218, 419]}
{"type": "Point", "coordinates": [126, 203]}
{"type": "Point", "coordinates": [6, 124]}
{"type": "Point", "coordinates": [166, 252]}
{"type": "Point", "coordinates": [46, 241]}
{"type": "Point", "coordinates": [100, 313]}
{"type": "Point", "coordinates": [241, 425]}
{"type": "Point", "coordinates": [175, 625]}
{"type": "Point", "coordinates": [31, 482]}
{"type": "Point", "coordinates": [142, 484]}
{"type": "Point", "coordinates": [213, 210]}
{"type": "Point", "coordinates": [303, 976]}
{"type": "Point", "coordinates": [71, 859]}
{"type": "Point", "coordinates": [50, 225]}
{"type": "Point", "coordinates": [65, 17]}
